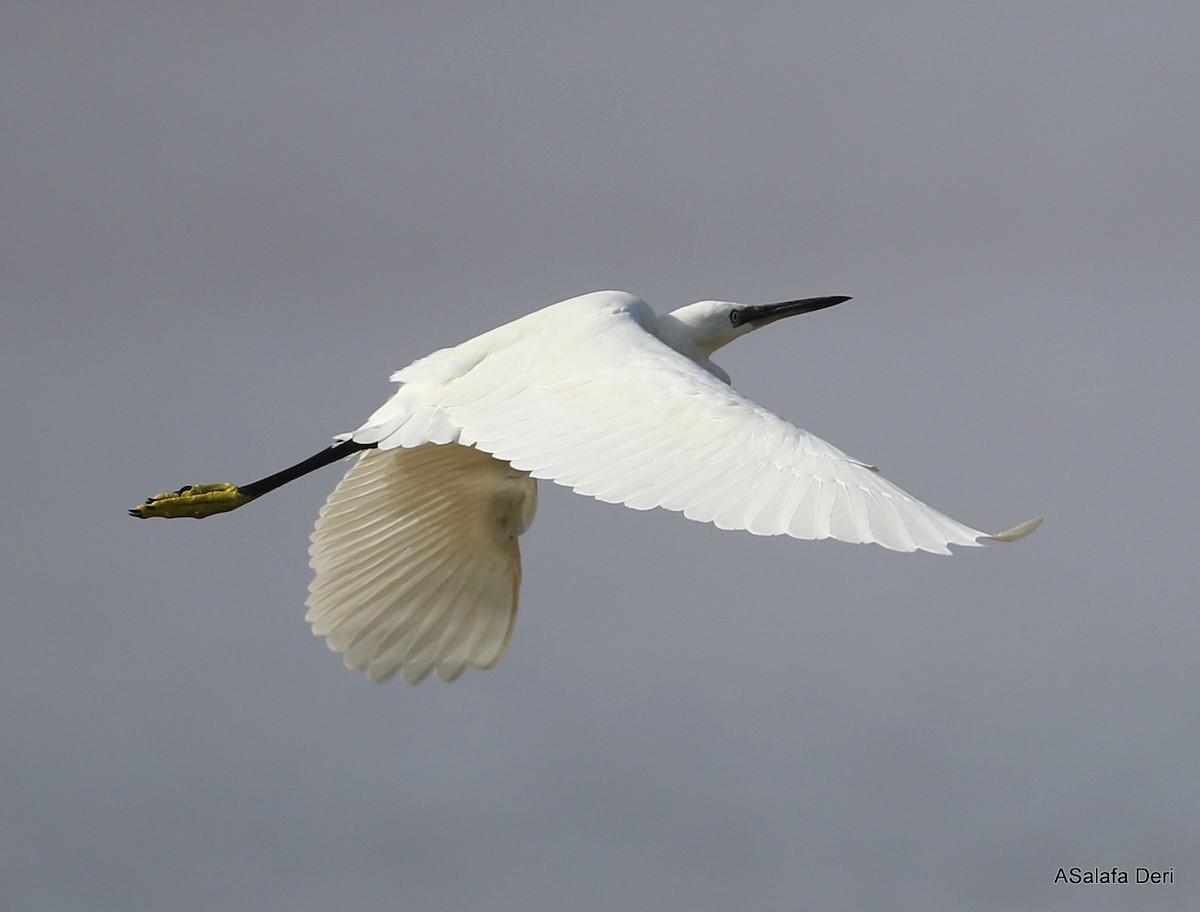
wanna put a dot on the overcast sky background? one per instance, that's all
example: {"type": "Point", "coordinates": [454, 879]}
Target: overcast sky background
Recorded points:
{"type": "Point", "coordinates": [224, 225]}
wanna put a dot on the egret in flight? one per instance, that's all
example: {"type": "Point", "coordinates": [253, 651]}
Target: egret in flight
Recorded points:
{"type": "Point", "coordinates": [415, 551]}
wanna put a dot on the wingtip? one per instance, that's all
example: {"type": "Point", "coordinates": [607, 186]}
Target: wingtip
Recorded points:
{"type": "Point", "coordinates": [1016, 533]}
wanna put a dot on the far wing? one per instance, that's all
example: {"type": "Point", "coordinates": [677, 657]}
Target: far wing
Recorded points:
{"type": "Point", "coordinates": [416, 560]}
{"type": "Point", "coordinates": [602, 406]}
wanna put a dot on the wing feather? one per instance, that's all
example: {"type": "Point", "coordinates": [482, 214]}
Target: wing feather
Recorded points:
{"type": "Point", "coordinates": [416, 560]}
{"type": "Point", "coordinates": [583, 393]}
{"type": "Point", "coordinates": [415, 551]}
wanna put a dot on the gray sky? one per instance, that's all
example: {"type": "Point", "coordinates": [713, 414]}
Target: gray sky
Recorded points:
{"type": "Point", "coordinates": [226, 223]}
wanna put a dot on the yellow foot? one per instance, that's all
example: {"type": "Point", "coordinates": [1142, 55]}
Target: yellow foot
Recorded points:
{"type": "Point", "coordinates": [196, 501]}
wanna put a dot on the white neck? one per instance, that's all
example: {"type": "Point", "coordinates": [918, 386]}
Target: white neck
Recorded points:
{"type": "Point", "coordinates": [682, 336]}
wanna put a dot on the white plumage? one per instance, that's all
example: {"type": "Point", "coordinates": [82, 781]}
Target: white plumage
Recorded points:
{"type": "Point", "coordinates": [416, 561]}
{"type": "Point", "coordinates": [415, 552]}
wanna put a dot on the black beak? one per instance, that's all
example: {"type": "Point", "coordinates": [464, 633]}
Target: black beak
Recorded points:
{"type": "Point", "coordinates": [762, 314]}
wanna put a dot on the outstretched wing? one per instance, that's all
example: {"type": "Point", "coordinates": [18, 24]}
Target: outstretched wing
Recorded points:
{"type": "Point", "coordinates": [584, 394]}
{"type": "Point", "coordinates": [416, 560]}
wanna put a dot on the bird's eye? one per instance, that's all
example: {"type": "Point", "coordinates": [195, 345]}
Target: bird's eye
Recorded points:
{"type": "Point", "coordinates": [735, 317]}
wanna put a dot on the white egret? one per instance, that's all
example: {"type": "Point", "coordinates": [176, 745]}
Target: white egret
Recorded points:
{"type": "Point", "coordinates": [415, 551]}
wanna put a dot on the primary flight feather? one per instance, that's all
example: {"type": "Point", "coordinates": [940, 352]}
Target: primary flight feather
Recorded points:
{"type": "Point", "coordinates": [415, 552]}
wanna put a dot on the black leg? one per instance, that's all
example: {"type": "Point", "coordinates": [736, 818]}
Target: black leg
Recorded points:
{"type": "Point", "coordinates": [199, 501]}
{"type": "Point", "coordinates": [311, 464]}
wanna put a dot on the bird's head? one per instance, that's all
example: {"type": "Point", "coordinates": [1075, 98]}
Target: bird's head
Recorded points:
{"type": "Point", "coordinates": [699, 329]}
